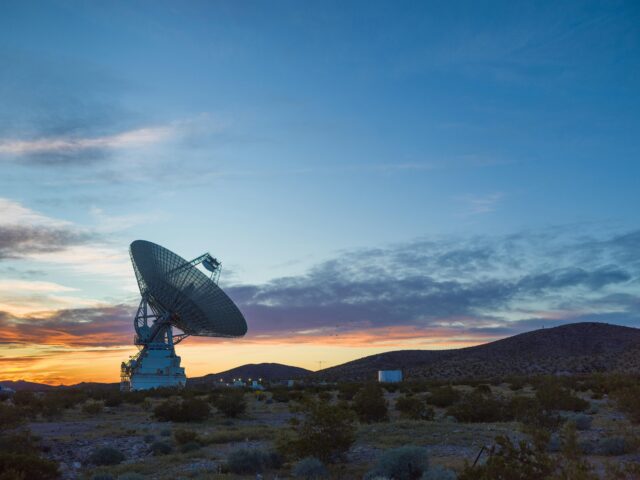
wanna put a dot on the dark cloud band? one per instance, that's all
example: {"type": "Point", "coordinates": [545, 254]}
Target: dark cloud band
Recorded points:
{"type": "Point", "coordinates": [20, 240]}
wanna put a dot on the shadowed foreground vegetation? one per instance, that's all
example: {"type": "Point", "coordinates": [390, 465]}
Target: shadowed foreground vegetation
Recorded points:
{"type": "Point", "coordinates": [574, 427]}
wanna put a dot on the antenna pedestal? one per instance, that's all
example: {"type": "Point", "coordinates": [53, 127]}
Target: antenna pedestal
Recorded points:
{"type": "Point", "coordinates": [156, 365]}
{"type": "Point", "coordinates": [152, 368]}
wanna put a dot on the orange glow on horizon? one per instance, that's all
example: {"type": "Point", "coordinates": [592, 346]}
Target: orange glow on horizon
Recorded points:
{"type": "Point", "coordinates": [69, 364]}
{"type": "Point", "coordinates": [34, 349]}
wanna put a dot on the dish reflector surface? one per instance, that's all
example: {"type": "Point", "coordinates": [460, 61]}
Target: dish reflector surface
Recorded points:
{"type": "Point", "coordinates": [196, 304]}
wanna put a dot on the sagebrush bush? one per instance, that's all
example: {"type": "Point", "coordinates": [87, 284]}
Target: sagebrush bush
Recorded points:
{"type": "Point", "coordinates": [280, 395]}
{"type": "Point", "coordinates": [483, 389]}
{"type": "Point", "coordinates": [19, 442]}
{"type": "Point", "coordinates": [628, 400]}
{"type": "Point", "coordinates": [443, 396]}
{"type": "Point", "coordinates": [370, 405]}
{"type": "Point", "coordinates": [20, 457]}
{"type": "Point", "coordinates": [251, 461]}
{"type": "Point", "coordinates": [521, 461]}
{"type": "Point", "coordinates": [553, 396]}
{"type": "Point", "coordinates": [570, 464]}
{"type": "Point", "coordinates": [188, 410]}
{"type": "Point", "coordinates": [231, 402]}
{"type": "Point", "coordinates": [113, 400]}
{"type": "Point", "coordinates": [24, 398]}
{"type": "Point", "coordinates": [106, 456]}
{"type": "Point", "coordinates": [92, 407]}
{"type": "Point", "coordinates": [160, 448]}
{"type": "Point", "coordinates": [475, 407]}
{"type": "Point", "coordinates": [414, 407]}
{"type": "Point", "coordinates": [11, 416]}
{"type": "Point", "coordinates": [403, 463]}
{"type": "Point", "coordinates": [28, 466]}
{"type": "Point", "coordinates": [190, 447]}
{"type": "Point", "coordinates": [309, 468]}
{"type": "Point", "coordinates": [529, 411]}
{"type": "Point", "coordinates": [346, 391]}
{"type": "Point", "coordinates": [185, 436]}
{"type": "Point", "coordinates": [522, 407]}
{"type": "Point", "coordinates": [325, 431]}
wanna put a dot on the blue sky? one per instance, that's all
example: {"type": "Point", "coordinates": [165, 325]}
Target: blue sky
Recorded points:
{"type": "Point", "coordinates": [286, 137]}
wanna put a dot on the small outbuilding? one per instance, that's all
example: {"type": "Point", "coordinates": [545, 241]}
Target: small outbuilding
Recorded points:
{"type": "Point", "coordinates": [389, 376]}
{"type": "Point", "coordinates": [256, 385]}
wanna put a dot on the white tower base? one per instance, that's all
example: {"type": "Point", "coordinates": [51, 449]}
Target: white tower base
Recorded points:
{"type": "Point", "coordinates": [153, 368]}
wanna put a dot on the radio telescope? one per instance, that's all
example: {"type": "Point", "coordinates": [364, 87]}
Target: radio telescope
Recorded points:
{"type": "Point", "coordinates": [175, 294]}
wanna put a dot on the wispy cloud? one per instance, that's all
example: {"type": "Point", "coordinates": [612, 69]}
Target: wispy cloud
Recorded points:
{"type": "Point", "coordinates": [64, 145]}
{"type": "Point", "coordinates": [22, 297]}
{"type": "Point", "coordinates": [24, 232]}
{"type": "Point", "coordinates": [27, 234]}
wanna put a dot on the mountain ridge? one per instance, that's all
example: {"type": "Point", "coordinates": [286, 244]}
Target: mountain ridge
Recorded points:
{"type": "Point", "coordinates": [567, 349]}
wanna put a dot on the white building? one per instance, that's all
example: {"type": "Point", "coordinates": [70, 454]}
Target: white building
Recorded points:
{"type": "Point", "coordinates": [389, 376]}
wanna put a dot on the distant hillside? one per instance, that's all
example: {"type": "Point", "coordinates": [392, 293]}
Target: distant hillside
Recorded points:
{"type": "Point", "coordinates": [266, 371]}
{"type": "Point", "coordinates": [92, 386]}
{"type": "Point", "coordinates": [573, 348]}
{"type": "Point", "coordinates": [22, 385]}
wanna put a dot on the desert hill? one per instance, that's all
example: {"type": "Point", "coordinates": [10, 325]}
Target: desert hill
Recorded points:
{"type": "Point", "coordinates": [266, 371]}
{"type": "Point", "coordinates": [22, 385]}
{"type": "Point", "coordinates": [572, 348]}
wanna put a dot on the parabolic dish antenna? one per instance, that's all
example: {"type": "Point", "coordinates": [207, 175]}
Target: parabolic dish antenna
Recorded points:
{"type": "Point", "coordinates": [175, 293]}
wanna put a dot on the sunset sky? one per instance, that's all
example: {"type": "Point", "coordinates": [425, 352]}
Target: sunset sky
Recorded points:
{"type": "Point", "coordinates": [372, 175]}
